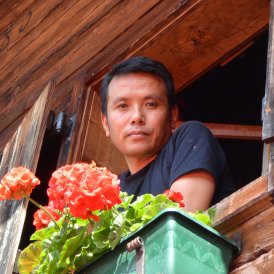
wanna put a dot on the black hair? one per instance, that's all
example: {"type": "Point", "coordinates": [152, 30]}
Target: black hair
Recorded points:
{"type": "Point", "coordinates": [138, 64]}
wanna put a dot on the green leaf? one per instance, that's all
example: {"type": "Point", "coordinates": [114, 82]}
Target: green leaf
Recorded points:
{"type": "Point", "coordinates": [69, 249]}
{"type": "Point", "coordinates": [119, 220]}
{"type": "Point", "coordinates": [42, 234]}
{"type": "Point", "coordinates": [85, 254]}
{"type": "Point", "coordinates": [142, 201]}
{"type": "Point", "coordinates": [50, 266]}
{"type": "Point", "coordinates": [30, 258]}
{"type": "Point", "coordinates": [126, 200]}
{"type": "Point", "coordinates": [135, 227]}
{"type": "Point", "coordinates": [114, 238]}
{"type": "Point", "coordinates": [212, 213]}
{"type": "Point", "coordinates": [202, 217]}
{"type": "Point", "coordinates": [153, 210]}
{"type": "Point", "coordinates": [100, 237]}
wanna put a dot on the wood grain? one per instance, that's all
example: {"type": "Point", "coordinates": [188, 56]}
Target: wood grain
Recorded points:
{"type": "Point", "coordinates": [243, 204]}
{"type": "Point", "coordinates": [22, 150]}
{"type": "Point", "coordinates": [66, 38]}
{"type": "Point", "coordinates": [97, 146]}
{"type": "Point", "coordinates": [232, 131]}
{"type": "Point", "coordinates": [215, 30]}
{"type": "Point", "coordinates": [268, 107]}
{"type": "Point", "coordinates": [257, 237]}
{"type": "Point", "coordinates": [263, 264]}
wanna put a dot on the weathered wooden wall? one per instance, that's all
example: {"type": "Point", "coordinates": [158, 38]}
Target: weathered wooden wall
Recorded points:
{"type": "Point", "coordinates": [247, 215]}
{"type": "Point", "coordinates": [64, 40]}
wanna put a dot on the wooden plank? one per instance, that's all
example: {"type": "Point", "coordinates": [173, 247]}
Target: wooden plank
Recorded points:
{"type": "Point", "coordinates": [11, 10]}
{"type": "Point", "coordinates": [78, 111]}
{"type": "Point", "coordinates": [23, 149]}
{"type": "Point", "coordinates": [25, 26]}
{"type": "Point", "coordinates": [214, 32]}
{"type": "Point", "coordinates": [230, 131]}
{"type": "Point", "coordinates": [243, 204]}
{"type": "Point", "coordinates": [54, 28]}
{"type": "Point", "coordinates": [263, 264]}
{"type": "Point", "coordinates": [243, 132]}
{"type": "Point", "coordinates": [271, 167]}
{"type": "Point", "coordinates": [268, 107]}
{"type": "Point", "coordinates": [257, 237]}
{"type": "Point", "coordinates": [148, 28]}
{"type": "Point", "coordinates": [79, 135]}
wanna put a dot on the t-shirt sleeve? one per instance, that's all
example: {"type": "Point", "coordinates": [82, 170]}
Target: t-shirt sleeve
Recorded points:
{"type": "Point", "coordinates": [194, 148]}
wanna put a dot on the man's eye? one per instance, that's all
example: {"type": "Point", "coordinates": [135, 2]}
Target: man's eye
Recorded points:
{"type": "Point", "coordinates": [122, 106]}
{"type": "Point", "coordinates": [151, 104]}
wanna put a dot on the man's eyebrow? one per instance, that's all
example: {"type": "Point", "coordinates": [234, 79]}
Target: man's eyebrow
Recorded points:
{"type": "Point", "coordinates": [155, 96]}
{"type": "Point", "coordinates": [119, 99]}
{"type": "Point", "coordinates": [152, 96]}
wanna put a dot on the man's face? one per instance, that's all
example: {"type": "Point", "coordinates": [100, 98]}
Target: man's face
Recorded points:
{"type": "Point", "coordinates": [138, 119]}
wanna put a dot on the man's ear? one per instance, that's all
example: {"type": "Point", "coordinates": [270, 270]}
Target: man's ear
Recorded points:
{"type": "Point", "coordinates": [105, 124]}
{"type": "Point", "coordinates": [174, 116]}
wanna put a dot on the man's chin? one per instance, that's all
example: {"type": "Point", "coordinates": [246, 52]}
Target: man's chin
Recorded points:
{"type": "Point", "coordinates": [140, 153]}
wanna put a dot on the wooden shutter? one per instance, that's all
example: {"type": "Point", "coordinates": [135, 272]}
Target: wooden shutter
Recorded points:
{"type": "Point", "coordinates": [22, 150]}
{"type": "Point", "coordinates": [268, 103]}
{"type": "Point", "coordinates": [77, 116]}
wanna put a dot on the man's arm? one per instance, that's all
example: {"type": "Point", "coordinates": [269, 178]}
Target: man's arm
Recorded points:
{"type": "Point", "coordinates": [197, 188]}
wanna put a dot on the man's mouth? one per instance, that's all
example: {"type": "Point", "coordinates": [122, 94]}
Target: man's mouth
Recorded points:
{"type": "Point", "coordinates": [137, 133]}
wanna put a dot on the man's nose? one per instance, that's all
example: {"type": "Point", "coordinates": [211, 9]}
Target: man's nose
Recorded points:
{"type": "Point", "coordinates": [137, 116]}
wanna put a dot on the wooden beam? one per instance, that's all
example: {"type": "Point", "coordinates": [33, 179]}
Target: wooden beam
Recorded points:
{"type": "Point", "coordinates": [208, 36]}
{"type": "Point", "coordinates": [263, 264]}
{"type": "Point", "coordinates": [243, 204]}
{"type": "Point", "coordinates": [268, 106]}
{"type": "Point", "coordinates": [230, 131]}
{"type": "Point", "coordinates": [31, 15]}
{"type": "Point", "coordinates": [257, 238]}
{"type": "Point", "coordinates": [10, 11]}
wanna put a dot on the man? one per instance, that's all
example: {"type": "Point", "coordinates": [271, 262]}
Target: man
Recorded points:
{"type": "Point", "coordinates": [139, 114]}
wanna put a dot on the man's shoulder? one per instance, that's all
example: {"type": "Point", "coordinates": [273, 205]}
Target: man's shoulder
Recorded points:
{"type": "Point", "coordinates": [190, 124]}
{"type": "Point", "coordinates": [190, 127]}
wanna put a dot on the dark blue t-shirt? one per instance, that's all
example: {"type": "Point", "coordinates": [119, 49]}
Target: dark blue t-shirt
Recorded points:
{"type": "Point", "coordinates": [191, 147]}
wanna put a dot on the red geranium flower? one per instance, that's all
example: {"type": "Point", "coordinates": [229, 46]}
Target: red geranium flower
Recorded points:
{"type": "Point", "coordinates": [17, 183]}
{"type": "Point", "coordinates": [175, 197]}
{"type": "Point", "coordinates": [42, 219]}
{"type": "Point", "coordinates": [83, 188]}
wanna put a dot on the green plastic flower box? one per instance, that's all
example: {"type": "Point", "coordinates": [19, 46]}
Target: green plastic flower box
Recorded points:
{"type": "Point", "coordinates": [174, 243]}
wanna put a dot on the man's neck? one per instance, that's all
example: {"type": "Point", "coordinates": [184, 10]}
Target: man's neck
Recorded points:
{"type": "Point", "coordinates": [136, 164]}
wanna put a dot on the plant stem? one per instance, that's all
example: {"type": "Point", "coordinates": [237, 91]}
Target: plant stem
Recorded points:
{"type": "Point", "coordinates": [90, 221]}
{"type": "Point", "coordinates": [47, 212]}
